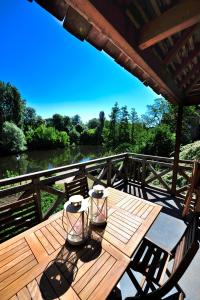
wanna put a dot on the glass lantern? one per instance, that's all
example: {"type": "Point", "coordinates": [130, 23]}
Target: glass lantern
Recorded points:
{"type": "Point", "coordinates": [98, 199]}
{"type": "Point", "coordinates": [76, 211]}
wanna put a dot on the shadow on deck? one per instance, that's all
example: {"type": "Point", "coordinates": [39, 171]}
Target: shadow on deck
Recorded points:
{"type": "Point", "coordinates": [166, 231]}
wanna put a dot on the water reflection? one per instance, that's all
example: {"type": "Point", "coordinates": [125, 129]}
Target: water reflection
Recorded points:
{"type": "Point", "coordinates": [33, 161]}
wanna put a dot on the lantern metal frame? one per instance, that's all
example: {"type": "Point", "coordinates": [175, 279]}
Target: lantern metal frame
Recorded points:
{"type": "Point", "coordinates": [99, 200]}
{"type": "Point", "coordinates": [76, 205]}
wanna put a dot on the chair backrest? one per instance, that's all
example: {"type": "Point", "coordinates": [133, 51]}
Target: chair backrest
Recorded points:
{"type": "Point", "coordinates": [183, 253]}
{"type": "Point", "coordinates": [77, 186]}
{"type": "Point", "coordinates": [194, 184]}
{"type": "Point", "coordinates": [18, 216]}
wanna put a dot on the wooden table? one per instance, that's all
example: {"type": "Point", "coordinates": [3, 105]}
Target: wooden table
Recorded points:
{"type": "Point", "coordinates": [39, 264]}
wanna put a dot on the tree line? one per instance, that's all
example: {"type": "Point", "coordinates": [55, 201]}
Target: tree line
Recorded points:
{"type": "Point", "coordinates": [21, 128]}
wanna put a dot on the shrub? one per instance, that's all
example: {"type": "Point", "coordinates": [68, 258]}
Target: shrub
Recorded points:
{"type": "Point", "coordinates": [190, 151]}
{"type": "Point", "coordinates": [13, 139]}
{"type": "Point", "coordinates": [46, 137]}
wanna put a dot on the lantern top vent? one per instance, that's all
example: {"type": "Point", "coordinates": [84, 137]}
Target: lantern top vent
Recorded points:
{"type": "Point", "coordinates": [76, 204]}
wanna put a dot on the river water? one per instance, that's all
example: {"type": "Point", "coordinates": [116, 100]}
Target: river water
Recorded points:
{"type": "Point", "coordinates": [32, 161]}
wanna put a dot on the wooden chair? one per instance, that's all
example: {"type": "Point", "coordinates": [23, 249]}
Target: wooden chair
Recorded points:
{"type": "Point", "coordinates": [18, 216]}
{"type": "Point", "coordinates": [78, 186]}
{"type": "Point", "coordinates": [194, 187]}
{"type": "Point", "coordinates": [152, 262]}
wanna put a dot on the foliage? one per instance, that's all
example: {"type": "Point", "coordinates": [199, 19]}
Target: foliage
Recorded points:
{"type": "Point", "coordinates": [123, 125]}
{"type": "Point", "coordinates": [155, 112]}
{"type": "Point", "coordinates": [93, 123]}
{"type": "Point", "coordinates": [153, 133]}
{"type": "Point", "coordinates": [191, 151]}
{"type": "Point", "coordinates": [74, 136]}
{"type": "Point", "coordinates": [76, 120]}
{"type": "Point", "coordinates": [113, 126]}
{"type": "Point", "coordinates": [46, 137]}
{"type": "Point", "coordinates": [57, 122]}
{"type": "Point", "coordinates": [88, 137]}
{"type": "Point", "coordinates": [11, 105]}
{"type": "Point", "coordinates": [47, 200]}
{"type": "Point", "coordinates": [12, 138]}
{"type": "Point", "coordinates": [30, 117]}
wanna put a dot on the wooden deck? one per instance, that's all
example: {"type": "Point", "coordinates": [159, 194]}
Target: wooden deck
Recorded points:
{"type": "Point", "coordinates": [38, 264]}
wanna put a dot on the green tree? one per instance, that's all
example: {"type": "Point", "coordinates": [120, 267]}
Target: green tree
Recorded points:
{"type": "Point", "coordinates": [100, 127]}
{"type": "Point", "coordinates": [113, 126]}
{"type": "Point", "coordinates": [89, 137]}
{"type": "Point", "coordinates": [30, 117]}
{"type": "Point", "coordinates": [74, 136]}
{"type": "Point", "coordinates": [160, 142]}
{"type": "Point", "coordinates": [93, 123]}
{"type": "Point", "coordinates": [75, 120]}
{"type": "Point", "coordinates": [67, 123]}
{"type": "Point", "coordinates": [44, 137]}
{"type": "Point", "coordinates": [57, 121]}
{"type": "Point", "coordinates": [134, 120]}
{"type": "Point", "coordinates": [123, 125]}
{"type": "Point", "coordinates": [11, 105]}
{"type": "Point", "coordinates": [155, 112]}
{"type": "Point", "coordinates": [12, 138]}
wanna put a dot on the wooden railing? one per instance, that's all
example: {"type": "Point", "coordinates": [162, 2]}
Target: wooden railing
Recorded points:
{"type": "Point", "coordinates": [117, 171]}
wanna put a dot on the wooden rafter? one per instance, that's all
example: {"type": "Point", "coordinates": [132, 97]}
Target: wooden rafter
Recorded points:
{"type": "Point", "coordinates": [191, 73]}
{"type": "Point", "coordinates": [179, 44]}
{"type": "Point", "coordinates": [189, 88]}
{"type": "Point", "coordinates": [106, 15]}
{"type": "Point", "coordinates": [187, 60]}
{"type": "Point", "coordinates": [176, 19]}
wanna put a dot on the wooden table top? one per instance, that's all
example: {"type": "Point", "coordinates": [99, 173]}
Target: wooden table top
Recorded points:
{"type": "Point", "coordinates": [39, 264]}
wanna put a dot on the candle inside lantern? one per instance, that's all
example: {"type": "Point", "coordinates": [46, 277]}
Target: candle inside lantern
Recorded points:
{"type": "Point", "coordinates": [98, 205]}
{"type": "Point", "coordinates": [77, 219]}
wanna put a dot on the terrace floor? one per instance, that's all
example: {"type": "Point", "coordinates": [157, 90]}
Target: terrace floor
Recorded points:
{"type": "Point", "coordinates": [166, 231]}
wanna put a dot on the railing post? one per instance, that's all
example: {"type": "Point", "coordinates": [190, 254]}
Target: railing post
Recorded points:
{"type": "Point", "coordinates": [36, 188]}
{"type": "Point", "coordinates": [177, 149]}
{"type": "Point", "coordinates": [143, 172]}
{"type": "Point", "coordinates": [109, 173]}
{"type": "Point", "coordinates": [125, 167]}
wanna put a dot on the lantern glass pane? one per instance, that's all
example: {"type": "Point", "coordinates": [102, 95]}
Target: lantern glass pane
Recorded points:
{"type": "Point", "coordinates": [99, 210]}
{"type": "Point", "coordinates": [77, 227]}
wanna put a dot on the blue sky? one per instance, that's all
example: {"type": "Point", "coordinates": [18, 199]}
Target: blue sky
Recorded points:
{"type": "Point", "coordinates": [55, 72]}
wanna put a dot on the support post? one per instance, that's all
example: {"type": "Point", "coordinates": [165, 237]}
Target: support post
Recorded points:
{"type": "Point", "coordinates": [109, 172]}
{"type": "Point", "coordinates": [177, 148]}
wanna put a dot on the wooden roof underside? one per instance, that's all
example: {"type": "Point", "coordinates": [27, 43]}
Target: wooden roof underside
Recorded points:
{"type": "Point", "coordinates": [158, 41]}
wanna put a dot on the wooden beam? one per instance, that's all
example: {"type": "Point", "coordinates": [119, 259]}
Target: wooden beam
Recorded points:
{"type": "Point", "coordinates": [179, 44]}
{"type": "Point", "coordinates": [177, 148]}
{"type": "Point", "coordinates": [175, 19]}
{"type": "Point", "coordinates": [109, 19]}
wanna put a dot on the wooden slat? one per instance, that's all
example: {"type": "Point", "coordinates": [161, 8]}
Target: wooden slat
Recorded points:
{"type": "Point", "coordinates": [34, 290]}
{"type": "Point", "coordinates": [24, 294]}
{"type": "Point", "coordinates": [179, 44]}
{"type": "Point", "coordinates": [173, 20]}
